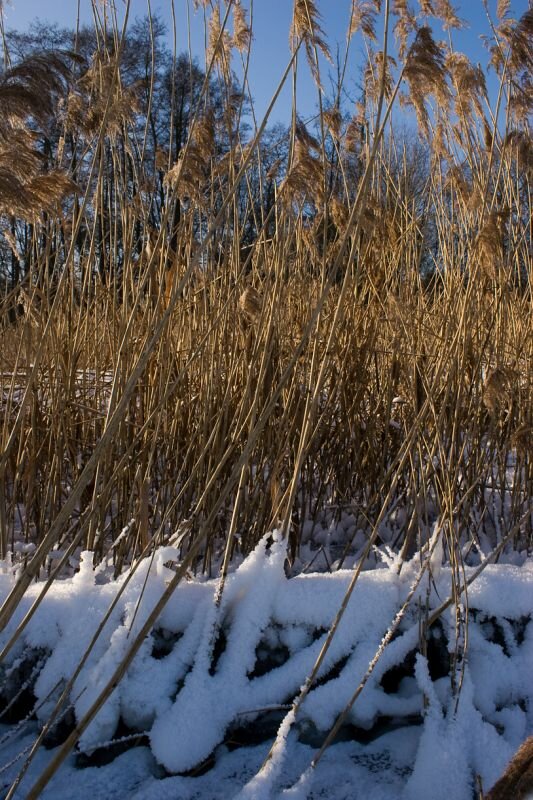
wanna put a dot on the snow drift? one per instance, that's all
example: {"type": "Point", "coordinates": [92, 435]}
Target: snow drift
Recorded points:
{"type": "Point", "coordinates": [209, 669]}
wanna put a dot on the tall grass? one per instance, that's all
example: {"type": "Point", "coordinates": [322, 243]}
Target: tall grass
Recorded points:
{"type": "Point", "coordinates": [369, 352]}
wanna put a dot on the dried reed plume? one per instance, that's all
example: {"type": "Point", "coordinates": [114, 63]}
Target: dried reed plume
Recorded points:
{"type": "Point", "coordinates": [242, 33]}
{"type": "Point", "coordinates": [489, 248]}
{"type": "Point", "coordinates": [189, 175]}
{"type": "Point", "coordinates": [306, 27]}
{"type": "Point", "coordinates": [333, 122]}
{"type": "Point", "coordinates": [425, 72]}
{"type": "Point", "coordinates": [457, 180]}
{"type": "Point", "coordinates": [305, 179]}
{"type": "Point", "coordinates": [251, 303]}
{"type": "Point", "coordinates": [520, 145]}
{"type": "Point", "coordinates": [470, 85]}
{"type": "Point", "coordinates": [376, 77]}
{"type": "Point", "coordinates": [31, 88]}
{"type": "Point", "coordinates": [521, 42]}
{"type": "Point", "coordinates": [30, 91]}
{"type": "Point", "coordinates": [405, 24]}
{"type": "Point", "coordinates": [496, 391]}
{"type": "Point", "coordinates": [354, 135]}
{"type": "Point", "coordinates": [502, 8]}
{"type": "Point", "coordinates": [444, 11]}
{"type": "Point", "coordinates": [99, 96]}
{"type": "Point", "coordinates": [363, 17]}
{"type": "Point", "coordinates": [219, 44]}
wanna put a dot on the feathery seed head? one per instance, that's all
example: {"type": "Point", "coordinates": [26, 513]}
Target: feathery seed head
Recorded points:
{"type": "Point", "coordinates": [242, 33]}
{"type": "Point", "coordinates": [251, 303]}
{"type": "Point", "coordinates": [306, 27]}
{"type": "Point", "coordinates": [363, 17]}
{"type": "Point", "coordinates": [425, 72]}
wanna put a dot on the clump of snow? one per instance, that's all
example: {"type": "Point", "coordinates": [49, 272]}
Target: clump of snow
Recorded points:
{"type": "Point", "coordinates": [207, 667]}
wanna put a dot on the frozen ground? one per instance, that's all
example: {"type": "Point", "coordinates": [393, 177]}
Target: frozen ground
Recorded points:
{"type": "Point", "coordinates": [211, 681]}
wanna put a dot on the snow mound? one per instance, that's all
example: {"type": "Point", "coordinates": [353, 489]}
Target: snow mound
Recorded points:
{"type": "Point", "coordinates": [212, 668]}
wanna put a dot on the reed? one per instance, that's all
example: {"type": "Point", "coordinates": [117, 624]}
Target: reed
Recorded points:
{"type": "Point", "coordinates": [367, 350]}
{"type": "Point", "coordinates": [392, 284]}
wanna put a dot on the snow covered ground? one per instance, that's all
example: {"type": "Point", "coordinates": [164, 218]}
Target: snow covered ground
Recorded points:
{"type": "Point", "coordinates": [210, 690]}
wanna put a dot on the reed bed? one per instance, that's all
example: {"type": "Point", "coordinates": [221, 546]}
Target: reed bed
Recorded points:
{"type": "Point", "coordinates": [316, 356]}
{"type": "Point", "coordinates": [367, 350]}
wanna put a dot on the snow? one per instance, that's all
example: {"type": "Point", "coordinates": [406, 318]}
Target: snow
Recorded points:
{"type": "Point", "coordinates": [208, 668]}
{"type": "Point", "coordinates": [349, 771]}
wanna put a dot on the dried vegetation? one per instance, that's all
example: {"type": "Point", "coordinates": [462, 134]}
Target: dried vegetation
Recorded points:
{"type": "Point", "coordinates": [369, 351]}
{"type": "Point", "coordinates": [379, 335]}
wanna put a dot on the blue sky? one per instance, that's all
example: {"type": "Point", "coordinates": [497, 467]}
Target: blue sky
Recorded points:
{"type": "Point", "coordinates": [270, 46]}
